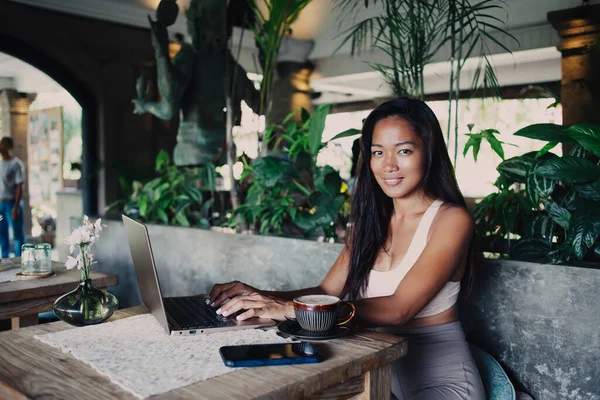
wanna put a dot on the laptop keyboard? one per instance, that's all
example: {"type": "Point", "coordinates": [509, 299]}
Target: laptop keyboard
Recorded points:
{"type": "Point", "coordinates": [191, 313]}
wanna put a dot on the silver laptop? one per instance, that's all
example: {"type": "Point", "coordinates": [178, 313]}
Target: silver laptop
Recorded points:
{"type": "Point", "coordinates": [178, 315]}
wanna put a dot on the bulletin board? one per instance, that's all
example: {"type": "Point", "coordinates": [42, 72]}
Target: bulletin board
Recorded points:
{"type": "Point", "coordinates": [44, 155]}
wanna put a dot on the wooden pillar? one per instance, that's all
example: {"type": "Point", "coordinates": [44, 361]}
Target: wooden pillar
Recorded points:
{"type": "Point", "coordinates": [15, 122]}
{"type": "Point", "coordinates": [579, 30]}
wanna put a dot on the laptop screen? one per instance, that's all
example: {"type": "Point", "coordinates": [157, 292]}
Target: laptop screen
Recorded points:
{"type": "Point", "coordinates": [145, 270]}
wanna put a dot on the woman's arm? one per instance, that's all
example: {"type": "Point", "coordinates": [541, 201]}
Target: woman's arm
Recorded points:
{"type": "Point", "coordinates": [445, 252]}
{"type": "Point", "coordinates": [333, 284]}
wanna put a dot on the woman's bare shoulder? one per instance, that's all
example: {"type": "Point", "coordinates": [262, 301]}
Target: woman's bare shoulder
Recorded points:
{"type": "Point", "coordinates": [451, 216]}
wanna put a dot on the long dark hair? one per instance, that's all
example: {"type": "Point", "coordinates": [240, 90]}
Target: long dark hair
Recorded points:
{"type": "Point", "coordinates": [372, 209]}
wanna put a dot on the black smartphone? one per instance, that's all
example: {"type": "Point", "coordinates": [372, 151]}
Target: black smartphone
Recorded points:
{"type": "Point", "coordinates": [254, 355]}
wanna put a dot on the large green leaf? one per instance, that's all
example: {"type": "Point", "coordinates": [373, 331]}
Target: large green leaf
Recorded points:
{"type": "Point", "coordinates": [589, 190]}
{"type": "Point", "coordinates": [271, 171]}
{"type": "Point", "coordinates": [569, 199]}
{"type": "Point", "coordinates": [583, 232]}
{"type": "Point", "coordinates": [516, 168]}
{"type": "Point", "coordinates": [546, 132]}
{"type": "Point", "coordinates": [163, 216]}
{"type": "Point", "coordinates": [538, 186]}
{"type": "Point", "coordinates": [162, 161]}
{"type": "Point", "coordinates": [579, 151]}
{"type": "Point", "coordinates": [547, 147]}
{"type": "Point", "coordinates": [568, 169]}
{"type": "Point", "coordinates": [193, 193]}
{"type": "Point", "coordinates": [559, 214]}
{"type": "Point", "coordinates": [346, 133]}
{"type": "Point", "coordinates": [181, 219]}
{"type": "Point", "coordinates": [496, 144]}
{"type": "Point", "coordinates": [587, 135]}
{"type": "Point", "coordinates": [327, 208]}
{"type": "Point", "coordinates": [290, 116]}
{"type": "Point", "coordinates": [315, 130]}
{"type": "Point", "coordinates": [143, 207]}
{"type": "Point", "coordinates": [475, 142]}
{"type": "Point", "coordinates": [328, 180]}
{"type": "Point", "coordinates": [531, 249]}
{"type": "Point", "coordinates": [542, 226]}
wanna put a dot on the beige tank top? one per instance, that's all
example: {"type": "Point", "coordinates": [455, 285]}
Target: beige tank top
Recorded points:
{"type": "Point", "coordinates": [385, 283]}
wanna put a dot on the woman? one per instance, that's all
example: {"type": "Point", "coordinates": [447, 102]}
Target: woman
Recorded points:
{"type": "Point", "coordinates": [408, 254]}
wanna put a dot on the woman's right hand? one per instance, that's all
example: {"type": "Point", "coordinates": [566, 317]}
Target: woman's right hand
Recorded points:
{"type": "Point", "coordinates": [223, 291]}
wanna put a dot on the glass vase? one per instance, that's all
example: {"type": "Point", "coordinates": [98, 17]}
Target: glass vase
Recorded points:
{"type": "Point", "coordinates": [86, 305]}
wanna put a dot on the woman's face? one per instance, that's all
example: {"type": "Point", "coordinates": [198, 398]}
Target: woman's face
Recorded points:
{"type": "Point", "coordinates": [397, 157]}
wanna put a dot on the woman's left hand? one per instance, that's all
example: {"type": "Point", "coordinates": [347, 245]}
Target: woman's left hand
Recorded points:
{"type": "Point", "coordinates": [258, 305]}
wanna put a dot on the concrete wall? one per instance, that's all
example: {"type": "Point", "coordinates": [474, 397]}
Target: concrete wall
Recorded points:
{"type": "Point", "coordinates": [539, 321]}
{"type": "Point", "coordinates": [189, 261]}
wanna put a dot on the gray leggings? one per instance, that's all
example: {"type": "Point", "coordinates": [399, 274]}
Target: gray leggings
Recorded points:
{"type": "Point", "coordinates": [438, 366]}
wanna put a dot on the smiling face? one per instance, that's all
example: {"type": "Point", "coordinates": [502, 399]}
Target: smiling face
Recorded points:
{"type": "Point", "coordinates": [398, 157]}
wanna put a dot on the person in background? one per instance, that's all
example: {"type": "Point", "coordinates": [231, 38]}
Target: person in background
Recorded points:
{"type": "Point", "coordinates": [12, 177]}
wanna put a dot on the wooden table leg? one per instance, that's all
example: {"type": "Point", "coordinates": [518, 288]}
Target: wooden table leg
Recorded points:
{"type": "Point", "coordinates": [373, 385]}
{"type": "Point", "coordinates": [378, 384]}
{"type": "Point", "coordinates": [22, 322]}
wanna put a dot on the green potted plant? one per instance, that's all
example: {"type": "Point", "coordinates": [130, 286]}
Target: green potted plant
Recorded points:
{"type": "Point", "coordinates": [288, 187]}
{"type": "Point", "coordinates": [176, 196]}
{"type": "Point", "coordinates": [549, 204]}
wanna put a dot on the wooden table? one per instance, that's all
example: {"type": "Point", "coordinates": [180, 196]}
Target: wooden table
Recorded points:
{"type": "Point", "coordinates": [23, 299]}
{"type": "Point", "coordinates": [356, 367]}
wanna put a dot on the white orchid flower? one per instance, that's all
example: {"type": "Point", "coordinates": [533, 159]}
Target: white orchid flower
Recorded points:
{"type": "Point", "coordinates": [98, 225]}
{"type": "Point", "coordinates": [72, 262]}
{"type": "Point", "coordinates": [83, 238]}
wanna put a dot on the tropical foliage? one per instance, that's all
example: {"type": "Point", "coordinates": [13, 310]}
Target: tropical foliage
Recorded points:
{"type": "Point", "coordinates": [176, 196]}
{"type": "Point", "coordinates": [550, 204]}
{"type": "Point", "coordinates": [412, 33]}
{"type": "Point", "coordinates": [488, 135]}
{"type": "Point", "coordinates": [271, 27]}
{"type": "Point", "coordinates": [287, 189]}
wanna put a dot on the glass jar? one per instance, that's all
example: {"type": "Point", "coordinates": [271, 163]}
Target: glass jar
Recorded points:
{"type": "Point", "coordinates": [36, 259]}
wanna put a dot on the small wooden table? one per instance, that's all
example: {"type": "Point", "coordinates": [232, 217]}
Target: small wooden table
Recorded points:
{"type": "Point", "coordinates": [357, 367]}
{"type": "Point", "coordinates": [23, 299]}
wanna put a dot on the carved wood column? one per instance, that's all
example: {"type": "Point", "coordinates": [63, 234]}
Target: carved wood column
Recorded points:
{"type": "Point", "coordinates": [15, 121]}
{"type": "Point", "coordinates": [579, 30]}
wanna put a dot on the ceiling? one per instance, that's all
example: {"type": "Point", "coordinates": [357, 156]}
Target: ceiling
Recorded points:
{"type": "Point", "coordinates": [337, 75]}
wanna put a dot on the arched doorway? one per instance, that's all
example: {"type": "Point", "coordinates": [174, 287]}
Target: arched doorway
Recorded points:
{"type": "Point", "coordinates": [86, 100]}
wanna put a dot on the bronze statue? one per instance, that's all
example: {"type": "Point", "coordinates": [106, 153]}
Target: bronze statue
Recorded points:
{"type": "Point", "coordinates": [197, 81]}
